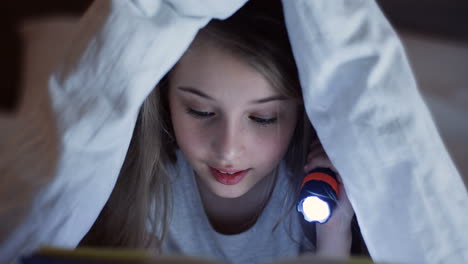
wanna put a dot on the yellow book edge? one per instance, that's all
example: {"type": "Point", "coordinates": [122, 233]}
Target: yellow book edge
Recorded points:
{"type": "Point", "coordinates": [141, 256]}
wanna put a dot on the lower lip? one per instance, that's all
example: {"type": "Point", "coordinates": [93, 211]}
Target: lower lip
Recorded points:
{"type": "Point", "coordinates": [228, 179]}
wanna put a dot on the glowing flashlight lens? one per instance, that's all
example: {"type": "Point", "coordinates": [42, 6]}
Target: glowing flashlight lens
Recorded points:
{"type": "Point", "coordinates": [315, 209]}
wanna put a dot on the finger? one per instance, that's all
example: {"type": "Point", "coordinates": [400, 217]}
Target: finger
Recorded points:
{"type": "Point", "coordinates": [315, 144]}
{"type": "Point", "coordinates": [344, 205]}
{"type": "Point", "coordinates": [318, 161]}
{"type": "Point", "coordinates": [316, 153]}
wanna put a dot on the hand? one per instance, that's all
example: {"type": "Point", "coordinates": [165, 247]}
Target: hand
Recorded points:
{"type": "Point", "coordinates": [333, 237]}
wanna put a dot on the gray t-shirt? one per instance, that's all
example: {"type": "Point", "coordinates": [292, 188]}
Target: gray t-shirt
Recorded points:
{"type": "Point", "coordinates": [190, 232]}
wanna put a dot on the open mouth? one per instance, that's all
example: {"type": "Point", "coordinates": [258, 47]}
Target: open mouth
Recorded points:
{"type": "Point", "coordinates": [228, 176]}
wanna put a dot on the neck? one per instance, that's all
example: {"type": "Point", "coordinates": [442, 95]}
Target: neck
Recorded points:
{"type": "Point", "coordinates": [236, 215]}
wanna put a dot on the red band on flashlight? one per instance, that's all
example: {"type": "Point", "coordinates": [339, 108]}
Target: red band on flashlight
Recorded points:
{"type": "Point", "coordinates": [320, 176]}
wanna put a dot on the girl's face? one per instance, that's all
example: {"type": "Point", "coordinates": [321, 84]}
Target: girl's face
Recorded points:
{"type": "Point", "coordinates": [229, 122]}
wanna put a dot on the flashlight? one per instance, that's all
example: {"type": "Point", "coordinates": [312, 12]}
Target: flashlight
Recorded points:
{"type": "Point", "coordinates": [318, 196]}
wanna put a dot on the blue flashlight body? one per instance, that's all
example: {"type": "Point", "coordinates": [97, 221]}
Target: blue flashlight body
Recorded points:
{"type": "Point", "coordinates": [318, 196]}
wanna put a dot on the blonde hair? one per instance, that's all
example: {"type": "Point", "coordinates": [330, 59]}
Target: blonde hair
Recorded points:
{"type": "Point", "coordinates": [257, 35]}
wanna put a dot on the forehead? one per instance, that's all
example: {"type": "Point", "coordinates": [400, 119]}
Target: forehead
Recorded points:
{"type": "Point", "coordinates": [213, 69]}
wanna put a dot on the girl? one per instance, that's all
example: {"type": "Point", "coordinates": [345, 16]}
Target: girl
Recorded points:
{"type": "Point", "coordinates": [218, 153]}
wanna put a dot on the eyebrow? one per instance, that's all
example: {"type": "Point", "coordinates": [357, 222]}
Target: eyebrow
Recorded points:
{"type": "Point", "coordinates": [195, 92]}
{"type": "Point", "coordinates": [269, 99]}
{"type": "Point", "coordinates": [204, 95]}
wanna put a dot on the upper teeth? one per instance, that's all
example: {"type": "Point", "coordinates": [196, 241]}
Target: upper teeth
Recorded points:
{"type": "Point", "coordinates": [227, 172]}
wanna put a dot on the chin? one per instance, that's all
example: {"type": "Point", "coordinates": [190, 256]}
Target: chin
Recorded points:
{"type": "Point", "coordinates": [229, 193]}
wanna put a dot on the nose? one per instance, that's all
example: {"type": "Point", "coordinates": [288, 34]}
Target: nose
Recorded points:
{"type": "Point", "coordinates": [228, 142]}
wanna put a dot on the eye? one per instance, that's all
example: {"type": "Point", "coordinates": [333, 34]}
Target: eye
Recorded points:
{"type": "Point", "coordinates": [263, 121]}
{"type": "Point", "coordinates": [199, 114]}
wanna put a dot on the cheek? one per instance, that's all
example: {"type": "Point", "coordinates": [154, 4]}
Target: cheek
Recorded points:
{"type": "Point", "coordinates": [272, 145]}
{"type": "Point", "coordinates": [189, 137]}
{"type": "Point", "coordinates": [186, 134]}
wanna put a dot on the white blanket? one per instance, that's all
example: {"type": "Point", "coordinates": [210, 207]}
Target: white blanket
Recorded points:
{"type": "Point", "coordinates": [359, 93]}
